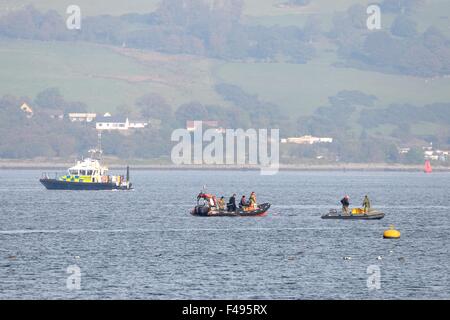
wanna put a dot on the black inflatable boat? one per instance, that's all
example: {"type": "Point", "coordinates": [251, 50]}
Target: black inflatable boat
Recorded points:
{"type": "Point", "coordinates": [206, 211]}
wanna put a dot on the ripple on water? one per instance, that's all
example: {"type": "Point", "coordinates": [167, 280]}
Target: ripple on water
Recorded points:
{"type": "Point", "coordinates": [144, 244]}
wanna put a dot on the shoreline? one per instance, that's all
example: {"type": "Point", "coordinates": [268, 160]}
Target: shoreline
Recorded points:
{"type": "Point", "coordinates": [114, 165]}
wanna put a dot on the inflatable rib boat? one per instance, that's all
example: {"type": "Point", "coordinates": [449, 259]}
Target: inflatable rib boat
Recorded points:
{"type": "Point", "coordinates": [356, 214]}
{"type": "Point", "coordinates": [206, 211]}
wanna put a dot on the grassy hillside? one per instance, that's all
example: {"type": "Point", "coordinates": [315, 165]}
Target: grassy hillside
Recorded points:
{"type": "Point", "coordinates": [88, 7]}
{"type": "Point", "coordinates": [101, 76]}
{"type": "Point", "coordinates": [106, 77]}
{"type": "Point", "coordinates": [116, 7]}
{"type": "Point", "coordinates": [302, 88]}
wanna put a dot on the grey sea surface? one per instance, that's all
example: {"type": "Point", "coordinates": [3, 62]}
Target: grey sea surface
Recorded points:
{"type": "Point", "coordinates": [144, 244]}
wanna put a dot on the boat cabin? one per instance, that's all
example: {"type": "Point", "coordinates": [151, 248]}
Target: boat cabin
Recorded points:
{"type": "Point", "coordinates": [88, 170]}
{"type": "Point", "coordinates": [88, 167]}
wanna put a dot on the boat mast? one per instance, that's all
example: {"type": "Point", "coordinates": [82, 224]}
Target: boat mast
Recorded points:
{"type": "Point", "coordinates": [99, 144]}
{"type": "Point", "coordinates": [96, 153]}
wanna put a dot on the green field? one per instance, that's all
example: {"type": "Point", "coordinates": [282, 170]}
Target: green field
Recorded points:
{"type": "Point", "coordinates": [302, 88]}
{"type": "Point", "coordinates": [117, 7]}
{"type": "Point", "coordinates": [101, 76]}
{"type": "Point", "coordinates": [106, 77]}
{"type": "Point", "coordinates": [88, 7]}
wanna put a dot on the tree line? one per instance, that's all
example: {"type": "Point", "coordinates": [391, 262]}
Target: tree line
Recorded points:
{"type": "Point", "coordinates": [399, 49]}
{"type": "Point", "coordinates": [196, 27]}
{"type": "Point", "coordinates": [350, 118]}
{"type": "Point", "coordinates": [190, 27]}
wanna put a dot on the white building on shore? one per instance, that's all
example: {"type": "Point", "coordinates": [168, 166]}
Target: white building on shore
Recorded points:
{"type": "Point", "coordinates": [82, 117]}
{"type": "Point", "coordinates": [307, 140]}
{"type": "Point", "coordinates": [120, 124]}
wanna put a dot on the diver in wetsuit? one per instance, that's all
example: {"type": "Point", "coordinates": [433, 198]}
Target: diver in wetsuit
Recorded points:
{"type": "Point", "coordinates": [345, 204]}
{"type": "Point", "coordinates": [231, 205]}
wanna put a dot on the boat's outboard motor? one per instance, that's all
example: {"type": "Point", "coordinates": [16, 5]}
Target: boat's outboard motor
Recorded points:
{"type": "Point", "coordinates": [201, 210]}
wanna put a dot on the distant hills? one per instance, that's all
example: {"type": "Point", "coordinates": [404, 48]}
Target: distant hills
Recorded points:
{"type": "Point", "coordinates": [295, 60]}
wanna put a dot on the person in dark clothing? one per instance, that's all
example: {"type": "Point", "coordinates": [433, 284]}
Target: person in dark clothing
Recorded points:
{"type": "Point", "coordinates": [231, 205]}
{"type": "Point", "coordinates": [345, 204]}
{"type": "Point", "coordinates": [243, 202]}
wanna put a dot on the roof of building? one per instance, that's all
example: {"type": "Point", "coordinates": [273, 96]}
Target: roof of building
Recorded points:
{"type": "Point", "coordinates": [118, 119]}
{"type": "Point", "coordinates": [112, 119]}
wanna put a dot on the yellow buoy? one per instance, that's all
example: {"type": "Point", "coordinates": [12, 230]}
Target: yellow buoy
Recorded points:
{"type": "Point", "coordinates": [391, 233]}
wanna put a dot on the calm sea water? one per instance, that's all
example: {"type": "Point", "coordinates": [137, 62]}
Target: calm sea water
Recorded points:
{"type": "Point", "coordinates": [144, 244]}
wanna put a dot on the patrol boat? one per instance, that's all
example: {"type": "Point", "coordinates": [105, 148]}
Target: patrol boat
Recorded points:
{"type": "Point", "coordinates": [88, 174]}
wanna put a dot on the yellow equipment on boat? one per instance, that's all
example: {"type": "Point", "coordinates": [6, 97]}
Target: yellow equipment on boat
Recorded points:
{"type": "Point", "coordinates": [391, 233]}
{"type": "Point", "coordinates": [357, 211]}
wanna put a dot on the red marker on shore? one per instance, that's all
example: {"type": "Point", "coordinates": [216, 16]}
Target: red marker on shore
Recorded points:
{"type": "Point", "coordinates": [428, 168]}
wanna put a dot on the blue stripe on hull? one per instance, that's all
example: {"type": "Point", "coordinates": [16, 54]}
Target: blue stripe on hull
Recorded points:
{"type": "Point", "coordinates": [52, 184]}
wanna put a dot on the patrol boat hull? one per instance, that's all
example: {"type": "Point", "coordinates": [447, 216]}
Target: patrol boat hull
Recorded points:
{"type": "Point", "coordinates": [54, 184]}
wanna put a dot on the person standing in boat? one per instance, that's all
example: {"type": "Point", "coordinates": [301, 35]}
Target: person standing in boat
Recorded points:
{"type": "Point", "coordinates": [345, 204]}
{"type": "Point", "coordinates": [252, 201]}
{"type": "Point", "coordinates": [232, 203]}
{"type": "Point", "coordinates": [366, 204]}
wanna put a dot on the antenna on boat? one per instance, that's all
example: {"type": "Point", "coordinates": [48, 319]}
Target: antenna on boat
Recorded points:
{"type": "Point", "coordinates": [99, 143]}
{"type": "Point", "coordinates": [96, 153]}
